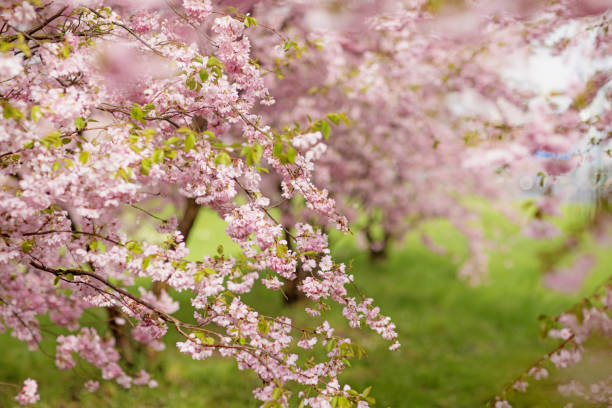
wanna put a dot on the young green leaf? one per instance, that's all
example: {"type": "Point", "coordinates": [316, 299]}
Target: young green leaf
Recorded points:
{"type": "Point", "coordinates": [84, 157]}
{"type": "Point", "coordinates": [80, 123]}
{"type": "Point", "coordinates": [223, 158]}
{"type": "Point", "coordinates": [325, 128]}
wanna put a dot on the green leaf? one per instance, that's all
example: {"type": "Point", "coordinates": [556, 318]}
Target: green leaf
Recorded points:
{"type": "Point", "coordinates": [27, 245]}
{"type": "Point", "coordinates": [35, 113]}
{"type": "Point", "coordinates": [223, 158]}
{"type": "Point", "coordinates": [173, 140]}
{"type": "Point", "coordinates": [249, 156]}
{"type": "Point", "coordinates": [291, 155]}
{"type": "Point", "coordinates": [56, 166]}
{"type": "Point", "coordinates": [218, 73]}
{"type": "Point", "coordinates": [250, 21]}
{"type": "Point", "coordinates": [137, 114]}
{"type": "Point", "coordinates": [290, 44]}
{"type": "Point", "coordinates": [199, 276]}
{"type": "Point", "coordinates": [125, 175]}
{"type": "Point", "coordinates": [146, 262]}
{"type": "Point", "coordinates": [278, 149]}
{"type": "Point", "coordinates": [97, 245]}
{"type": "Point", "coordinates": [215, 66]}
{"type": "Point", "coordinates": [281, 250]}
{"type": "Point", "coordinates": [84, 157]}
{"type": "Point", "coordinates": [134, 247]}
{"type": "Point", "coordinates": [214, 62]}
{"type": "Point", "coordinates": [277, 393]}
{"type": "Point", "coordinates": [8, 111]}
{"type": "Point", "coordinates": [158, 156]}
{"type": "Point", "coordinates": [263, 326]}
{"type": "Point", "coordinates": [80, 123]}
{"type": "Point", "coordinates": [579, 313]}
{"type": "Point", "coordinates": [64, 52]}
{"type": "Point", "coordinates": [53, 138]}
{"type": "Point", "coordinates": [190, 141]}
{"type": "Point", "coordinates": [209, 270]}
{"type": "Point", "coordinates": [336, 118]}
{"type": "Point", "coordinates": [184, 131]}
{"type": "Point", "coordinates": [330, 345]}
{"type": "Point", "coordinates": [203, 75]}
{"type": "Point", "coordinates": [145, 166]}
{"type": "Point", "coordinates": [254, 154]}
{"type": "Point", "coordinates": [325, 128]}
{"type": "Point", "coordinates": [344, 402]}
{"type": "Point", "coordinates": [257, 153]}
{"type": "Point", "coordinates": [148, 133]}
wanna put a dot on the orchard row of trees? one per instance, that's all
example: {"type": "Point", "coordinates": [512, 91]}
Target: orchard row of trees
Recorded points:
{"type": "Point", "coordinates": [365, 116]}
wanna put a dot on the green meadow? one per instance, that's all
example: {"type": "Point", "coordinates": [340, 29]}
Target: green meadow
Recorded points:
{"type": "Point", "coordinates": [461, 344]}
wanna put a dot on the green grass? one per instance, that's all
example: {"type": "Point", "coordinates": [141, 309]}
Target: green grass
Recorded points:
{"type": "Point", "coordinates": [460, 344]}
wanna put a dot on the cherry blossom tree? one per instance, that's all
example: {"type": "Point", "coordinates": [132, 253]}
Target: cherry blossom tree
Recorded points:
{"type": "Point", "coordinates": [426, 110]}
{"type": "Point", "coordinates": [394, 125]}
{"type": "Point", "coordinates": [108, 104]}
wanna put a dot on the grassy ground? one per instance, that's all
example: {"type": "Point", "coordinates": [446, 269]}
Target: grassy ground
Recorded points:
{"type": "Point", "coordinates": [461, 344]}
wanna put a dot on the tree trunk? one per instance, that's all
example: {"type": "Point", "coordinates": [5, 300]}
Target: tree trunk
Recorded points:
{"type": "Point", "coordinates": [291, 291]}
{"type": "Point", "coordinates": [121, 334]}
{"type": "Point", "coordinates": [378, 250]}
{"type": "Point", "coordinates": [185, 225]}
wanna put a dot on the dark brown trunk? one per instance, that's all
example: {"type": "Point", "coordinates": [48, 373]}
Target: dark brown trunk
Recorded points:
{"type": "Point", "coordinates": [291, 291]}
{"type": "Point", "coordinates": [378, 255]}
{"type": "Point", "coordinates": [185, 225]}
{"type": "Point", "coordinates": [189, 217]}
{"type": "Point", "coordinates": [121, 334]}
{"type": "Point", "coordinates": [378, 250]}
